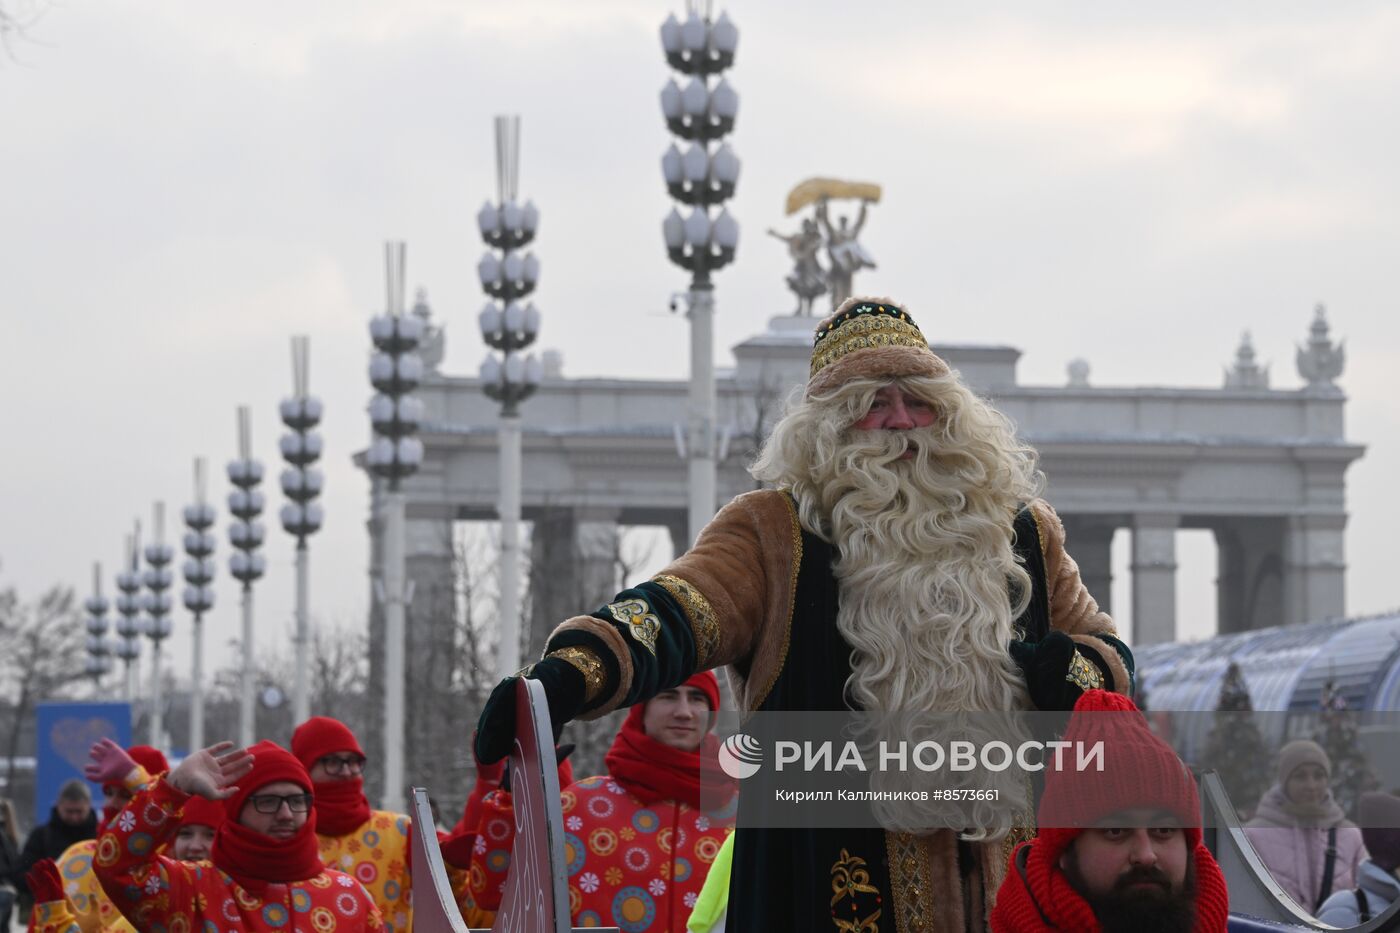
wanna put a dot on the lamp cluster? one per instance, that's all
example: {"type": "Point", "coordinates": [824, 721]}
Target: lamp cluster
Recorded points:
{"type": "Point", "coordinates": [508, 323]}
{"type": "Point", "coordinates": [395, 370]}
{"type": "Point", "coordinates": [246, 533]}
{"type": "Point", "coordinates": [99, 649]}
{"type": "Point", "coordinates": [301, 481]}
{"type": "Point", "coordinates": [157, 578]}
{"type": "Point", "coordinates": [129, 609]}
{"type": "Point", "coordinates": [199, 563]}
{"type": "Point", "coordinates": [700, 176]}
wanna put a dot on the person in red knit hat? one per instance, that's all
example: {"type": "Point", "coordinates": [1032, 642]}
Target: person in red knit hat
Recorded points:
{"type": "Point", "coordinates": [638, 842]}
{"type": "Point", "coordinates": [372, 845]}
{"type": "Point", "coordinates": [1118, 849]}
{"type": "Point", "coordinates": [88, 904]}
{"type": "Point", "coordinates": [266, 873]}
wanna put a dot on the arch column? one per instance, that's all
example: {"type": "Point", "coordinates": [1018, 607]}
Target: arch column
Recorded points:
{"type": "Point", "coordinates": [1316, 567]}
{"type": "Point", "coordinates": [1154, 578]}
{"type": "Point", "coordinates": [573, 566]}
{"type": "Point", "coordinates": [1089, 540]}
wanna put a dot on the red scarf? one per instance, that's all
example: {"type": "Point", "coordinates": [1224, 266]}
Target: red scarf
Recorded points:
{"type": "Point", "coordinates": [1042, 899]}
{"type": "Point", "coordinates": [254, 860]}
{"type": "Point", "coordinates": [653, 771]}
{"type": "Point", "coordinates": [341, 806]}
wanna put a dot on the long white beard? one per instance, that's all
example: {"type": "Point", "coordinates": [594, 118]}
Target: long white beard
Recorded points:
{"type": "Point", "coordinates": [925, 572]}
{"type": "Point", "coordinates": [926, 575]}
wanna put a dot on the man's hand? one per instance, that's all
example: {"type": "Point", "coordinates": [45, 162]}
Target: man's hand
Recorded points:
{"type": "Point", "coordinates": [108, 763]}
{"type": "Point", "coordinates": [564, 688]}
{"type": "Point", "coordinates": [1058, 670]}
{"type": "Point", "coordinates": [45, 883]}
{"type": "Point", "coordinates": [211, 772]}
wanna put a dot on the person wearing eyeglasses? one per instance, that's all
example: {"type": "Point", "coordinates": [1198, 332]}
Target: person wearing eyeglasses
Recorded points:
{"type": "Point", "coordinates": [370, 844]}
{"type": "Point", "coordinates": [267, 873]}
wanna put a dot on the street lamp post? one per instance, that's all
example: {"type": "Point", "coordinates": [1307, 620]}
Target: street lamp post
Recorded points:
{"type": "Point", "coordinates": [509, 326]}
{"type": "Point", "coordinates": [395, 371]}
{"type": "Point", "coordinates": [156, 602]}
{"type": "Point", "coordinates": [129, 615]}
{"type": "Point", "coordinates": [302, 515]}
{"type": "Point", "coordinates": [704, 177]}
{"type": "Point", "coordinates": [245, 504]}
{"type": "Point", "coordinates": [99, 660]}
{"type": "Point", "coordinates": [198, 595]}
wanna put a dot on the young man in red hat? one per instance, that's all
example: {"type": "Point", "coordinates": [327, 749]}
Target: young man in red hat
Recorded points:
{"type": "Point", "coordinates": [88, 903]}
{"type": "Point", "coordinates": [1119, 850]}
{"type": "Point", "coordinates": [372, 845]}
{"type": "Point", "coordinates": [266, 873]}
{"type": "Point", "coordinates": [637, 840]}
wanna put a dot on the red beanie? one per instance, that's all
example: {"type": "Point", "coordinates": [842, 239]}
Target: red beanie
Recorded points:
{"type": "Point", "coordinates": [1140, 771]}
{"type": "Point", "coordinates": [149, 758]}
{"type": "Point", "coordinates": [706, 681]}
{"type": "Point", "coordinates": [271, 763]}
{"type": "Point", "coordinates": [199, 811]}
{"type": "Point", "coordinates": [320, 736]}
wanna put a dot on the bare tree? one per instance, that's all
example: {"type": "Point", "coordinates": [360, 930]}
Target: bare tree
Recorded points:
{"type": "Point", "coordinates": [768, 403]}
{"type": "Point", "coordinates": [16, 17]}
{"type": "Point", "coordinates": [41, 654]}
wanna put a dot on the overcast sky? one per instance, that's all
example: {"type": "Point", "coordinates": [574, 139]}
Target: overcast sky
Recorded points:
{"type": "Point", "coordinates": [187, 185]}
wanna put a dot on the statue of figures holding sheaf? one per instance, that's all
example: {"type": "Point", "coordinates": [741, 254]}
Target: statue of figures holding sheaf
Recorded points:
{"type": "Point", "coordinates": [807, 279]}
{"type": "Point", "coordinates": [844, 250]}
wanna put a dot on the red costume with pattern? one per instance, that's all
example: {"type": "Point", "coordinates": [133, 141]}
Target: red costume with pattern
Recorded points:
{"type": "Point", "coordinates": [371, 845]}
{"type": "Point", "coordinates": [155, 891]}
{"type": "Point", "coordinates": [637, 844]}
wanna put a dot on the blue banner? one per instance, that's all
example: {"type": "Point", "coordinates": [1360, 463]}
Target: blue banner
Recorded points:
{"type": "Point", "coordinates": [63, 734]}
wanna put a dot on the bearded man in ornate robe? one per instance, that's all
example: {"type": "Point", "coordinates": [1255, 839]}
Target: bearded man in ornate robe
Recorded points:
{"type": "Point", "coordinates": [903, 562]}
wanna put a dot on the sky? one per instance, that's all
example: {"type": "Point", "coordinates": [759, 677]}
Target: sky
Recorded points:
{"type": "Point", "coordinates": [189, 185]}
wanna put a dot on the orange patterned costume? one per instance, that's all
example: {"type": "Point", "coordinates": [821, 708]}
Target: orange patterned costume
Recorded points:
{"type": "Point", "coordinates": [376, 855]}
{"type": "Point", "coordinates": [157, 892]}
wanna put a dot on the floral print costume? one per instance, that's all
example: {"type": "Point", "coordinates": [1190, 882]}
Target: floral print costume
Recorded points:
{"type": "Point", "coordinates": [161, 895]}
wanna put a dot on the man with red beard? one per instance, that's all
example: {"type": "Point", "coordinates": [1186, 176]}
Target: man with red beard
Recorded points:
{"type": "Point", "coordinates": [88, 903]}
{"type": "Point", "coordinates": [638, 841]}
{"type": "Point", "coordinates": [266, 872]}
{"type": "Point", "coordinates": [1119, 850]}
{"type": "Point", "coordinates": [372, 845]}
{"type": "Point", "coordinates": [904, 563]}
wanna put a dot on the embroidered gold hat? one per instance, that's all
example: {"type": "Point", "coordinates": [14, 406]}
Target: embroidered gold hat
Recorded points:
{"type": "Point", "coordinates": [869, 337]}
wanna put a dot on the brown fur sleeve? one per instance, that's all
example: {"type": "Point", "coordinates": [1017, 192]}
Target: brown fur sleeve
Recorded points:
{"type": "Point", "coordinates": [1073, 610]}
{"type": "Point", "coordinates": [738, 574]}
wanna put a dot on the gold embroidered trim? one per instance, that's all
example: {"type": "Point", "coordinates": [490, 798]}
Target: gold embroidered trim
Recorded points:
{"type": "Point", "coordinates": [796, 527]}
{"type": "Point", "coordinates": [863, 333]}
{"type": "Point", "coordinates": [909, 881]}
{"type": "Point", "coordinates": [849, 878]}
{"type": "Point", "coordinates": [640, 620]}
{"type": "Point", "coordinates": [595, 673]}
{"type": "Point", "coordinates": [704, 624]}
{"type": "Point", "coordinates": [1083, 673]}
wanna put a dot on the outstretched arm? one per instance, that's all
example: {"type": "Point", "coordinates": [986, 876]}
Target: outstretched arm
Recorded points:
{"type": "Point", "coordinates": [860, 219]}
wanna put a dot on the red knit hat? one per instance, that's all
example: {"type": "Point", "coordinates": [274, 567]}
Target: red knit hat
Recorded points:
{"type": "Point", "coordinates": [199, 811]}
{"type": "Point", "coordinates": [271, 763]}
{"type": "Point", "coordinates": [1140, 771]}
{"type": "Point", "coordinates": [320, 736]}
{"type": "Point", "coordinates": [149, 758]}
{"type": "Point", "coordinates": [707, 682]}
